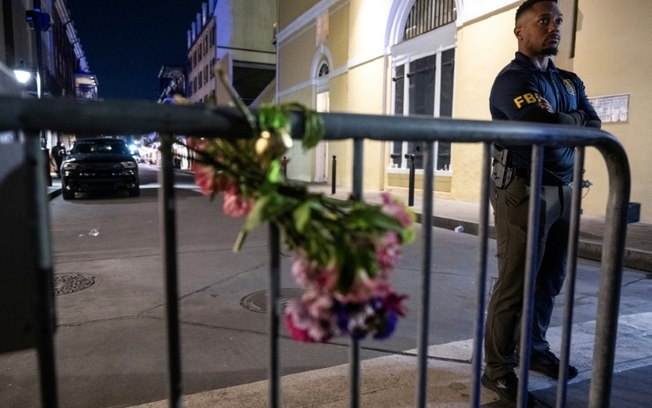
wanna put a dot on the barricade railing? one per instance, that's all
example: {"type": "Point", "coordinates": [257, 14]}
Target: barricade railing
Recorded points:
{"type": "Point", "coordinates": [77, 117]}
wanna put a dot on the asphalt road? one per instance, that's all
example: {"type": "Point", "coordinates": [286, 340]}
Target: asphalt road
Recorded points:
{"type": "Point", "coordinates": [110, 341]}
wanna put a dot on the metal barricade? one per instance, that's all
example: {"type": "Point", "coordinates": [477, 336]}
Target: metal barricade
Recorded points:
{"type": "Point", "coordinates": [135, 117]}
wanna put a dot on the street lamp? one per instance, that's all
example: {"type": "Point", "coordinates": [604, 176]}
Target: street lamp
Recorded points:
{"type": "Point", "coordinates": [22, 75]}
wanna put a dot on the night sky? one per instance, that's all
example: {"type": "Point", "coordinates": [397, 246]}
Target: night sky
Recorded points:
{"type": "Point", "coordinates": [127, 41]}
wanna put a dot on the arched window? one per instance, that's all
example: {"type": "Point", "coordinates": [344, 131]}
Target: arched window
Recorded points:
{"type": "Point", "coordinates": [427, 15]}
{"type": "Point", "coordinates": [423, 76]}
{"type": "Point", "coordinates": [324, 70]}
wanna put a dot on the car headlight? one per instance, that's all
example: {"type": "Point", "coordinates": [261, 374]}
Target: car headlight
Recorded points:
{"type": "Point", "coordinates": [70, 166]}
{"type": "Point", "coordinates": [128, 165]}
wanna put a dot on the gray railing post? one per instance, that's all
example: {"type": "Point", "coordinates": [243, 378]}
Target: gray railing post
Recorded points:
{"type": "Point", "coordinates": [169, 248]}
{"type": "Point", "coordinates": [571, 268]}
{"type": "Point", "coordinates": [44, 314]}
{"type": "Point", "coordinates": [531, 266]}
{"type": "Point", "coordinates": [426, 223]}
{"type": "Point", "coordinates": [481, 289]}
{"type": "Point", "coordinates": [411, 176]}
{"type": "Point", "coordinates": [613, 249]}
{"type": "Point", "coordinates": [274, 310]}
{"type": "Point", "coordinates": [354, 347]}
{"type": "Point", "coordinates": [333, 174]}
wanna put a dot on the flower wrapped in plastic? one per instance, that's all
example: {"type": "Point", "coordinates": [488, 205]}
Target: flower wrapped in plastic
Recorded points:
{"type": "Point", "coordinates": [344, 250]}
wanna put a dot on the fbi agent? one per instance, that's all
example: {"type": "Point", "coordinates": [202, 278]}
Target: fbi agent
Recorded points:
{"type": "Point", "coordinates": [531, 88]}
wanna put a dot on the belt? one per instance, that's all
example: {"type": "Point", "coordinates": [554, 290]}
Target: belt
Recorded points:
{"type": "Point", "coordinates": [524, 174]}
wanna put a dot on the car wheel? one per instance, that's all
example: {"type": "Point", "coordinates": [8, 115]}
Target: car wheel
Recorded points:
{"type": "Point", "coordinates": [134, 192]}
{"type": "Point", "coordinates": [67, 195]}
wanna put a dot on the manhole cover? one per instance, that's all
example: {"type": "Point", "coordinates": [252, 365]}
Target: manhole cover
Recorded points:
{"type": "Point", "coordinates": [71, 282]}
{"type": "Point", "coordinates": [257, 301]}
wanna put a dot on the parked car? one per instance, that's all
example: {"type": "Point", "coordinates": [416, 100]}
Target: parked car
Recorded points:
{"type": "Point", "coordinates": [99, 165]}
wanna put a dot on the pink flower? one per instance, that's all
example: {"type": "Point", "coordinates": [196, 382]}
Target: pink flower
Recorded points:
{"type": "Point", "coordinates": [394, 303]}
{"type": "Point", "coordinates": [235, 204]}
{"type": "Point", "coordinates": [296, 321]}
{"type": "Point", "coordinates": [307, 273]}
{"type": "Point", "coordinates": [205, 179]}
{"type": "Point", "coordinates": [360, 291]}
{"type": "Point", "coordinates": [388, 251]}
{"type": "Point", "coordinates": [395, 208]}
{"type": "Point", "coordinates": [301, 270]}
{"type": "Point", "coordinates": [326, 279]}
{"type": "Point", "coordinates": [311, 318]}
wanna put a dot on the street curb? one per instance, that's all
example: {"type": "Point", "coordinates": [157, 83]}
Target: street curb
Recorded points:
{"type": "Point", "coordinates": [53, 193]}
{"type": "Point", "coordinates": [591, 250]}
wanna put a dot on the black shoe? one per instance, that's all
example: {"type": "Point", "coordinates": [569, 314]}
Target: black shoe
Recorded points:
{"type": "Point", "coordinates": [546, 363]}
{"type": "Point", "coordinates": [507, 389]}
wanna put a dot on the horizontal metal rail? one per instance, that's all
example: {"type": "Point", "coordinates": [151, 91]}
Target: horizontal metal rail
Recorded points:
{"type": "Point", "coordinates": [127, 117]}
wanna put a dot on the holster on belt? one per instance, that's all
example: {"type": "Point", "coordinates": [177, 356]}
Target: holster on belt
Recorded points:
{"type": "Point", "coordinates": [501, 173]}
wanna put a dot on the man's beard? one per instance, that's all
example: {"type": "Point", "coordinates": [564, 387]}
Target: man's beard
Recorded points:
{"type": "Point", "coordinates": [549, 51]}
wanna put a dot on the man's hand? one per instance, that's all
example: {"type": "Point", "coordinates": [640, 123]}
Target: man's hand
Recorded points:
{"type": "Point", "coordinates": [544, 104]}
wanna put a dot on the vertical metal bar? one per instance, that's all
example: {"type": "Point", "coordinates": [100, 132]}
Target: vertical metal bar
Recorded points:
{"type": "Point", "coordinates": [531, 264]}
{"type": "Point", "coordinates": [44, 313]}
{"type": "Point", "coordinates": [613, 248]}
{"type": "Point", "coordinates": [358, 162]}
{"type": "Point", "coordinates": [483, 238]}
{"type": "Point", "coordinates": [273, 307]}
{"type": "Point", "coordinates": [354, 373]}
{"type": "Point", "coordinates": [411, 181]}
{"type": "Point", "coordinates": [354, 347]}
{"type": "Point", "coordinates": [426, 224]}
{"type": "Point", "coordinates": [169, 247]}
{"type": "Point", "coordinates": [571, 269]}
{"type": "Point", "coordinates": [333, 174]}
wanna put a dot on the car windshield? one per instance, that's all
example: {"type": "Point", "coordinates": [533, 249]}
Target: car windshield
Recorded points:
{"type": "Point", "coordinates": [104, 146]}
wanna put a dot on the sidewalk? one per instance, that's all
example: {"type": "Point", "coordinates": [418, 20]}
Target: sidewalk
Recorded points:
{"type": "Point", "coordinates": [452, 215]}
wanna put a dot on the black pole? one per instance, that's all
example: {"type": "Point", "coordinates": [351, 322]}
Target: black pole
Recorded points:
{"type": "Point", "coordinates": [411, 181]}
{"type": "Point", "coordinates": [169, 249]}
{"type": "Point", "coordinates": [45, 314]}
{"type": "Point", "coordinates": [274, 316]}
{"type": "Point", "coordinates": [333, 173]}
{"type": "Point", "coordinates": [40, 78]}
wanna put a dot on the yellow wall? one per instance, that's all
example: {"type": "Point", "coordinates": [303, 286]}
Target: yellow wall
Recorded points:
{"type": "Point", "coordinates": [290, 10]}
{"type": "Point", "coordinates": [339, 94]}
{"type": "Point", "coordinates": [474, 74]}
{"type": "Point", "coordinates": [365, 95]}
{"type": "Point", "coordinates": [614, 56]}
{"type": "Point", "coordinates": [296, 56]}
{"type": "Point", "coordinates": [338, 37]}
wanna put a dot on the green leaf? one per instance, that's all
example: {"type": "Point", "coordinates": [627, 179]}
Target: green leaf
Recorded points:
{"type": "Point", "coordinates": [274, 172]}
{"type": "Point", "coordinates": [257, 215]}
{"type": "Point", "coordinates": [314, 129]}
{"type": "Point", "coordinates": [239, 241]}
{"type": "Point", "coordinates": [302, 216]}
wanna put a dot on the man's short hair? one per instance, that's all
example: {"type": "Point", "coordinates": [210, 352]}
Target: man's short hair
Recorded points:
{"type": "Point", "coordinates": [527, 5]}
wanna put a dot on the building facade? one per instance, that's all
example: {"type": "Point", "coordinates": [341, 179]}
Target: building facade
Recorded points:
{"type": "Point", "coordinates": [236, 37]}
{"type": "Point", "coordinates": [439, 58]}
{"type": "Point", "coordinates": [64, 70]}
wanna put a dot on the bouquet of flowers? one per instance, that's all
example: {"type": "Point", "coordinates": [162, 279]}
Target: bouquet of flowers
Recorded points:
{"type": "Point", "coordinates": [344, 250]}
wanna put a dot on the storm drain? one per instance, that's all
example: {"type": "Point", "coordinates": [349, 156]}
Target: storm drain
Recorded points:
{"type": "Point", "coordinates": [65, 284]}
{"type": "Point", "coordinates": [257, 301]}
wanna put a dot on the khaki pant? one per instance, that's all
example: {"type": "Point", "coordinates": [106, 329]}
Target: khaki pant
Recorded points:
{"type": "Point", "coordinates": [511, 206]}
